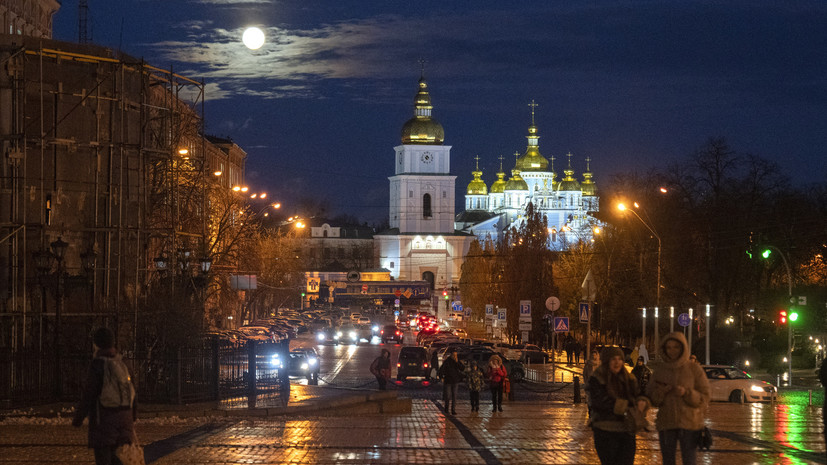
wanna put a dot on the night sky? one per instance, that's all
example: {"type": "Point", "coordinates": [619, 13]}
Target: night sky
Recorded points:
{"type": "Point", "coordinates": [634, 85]}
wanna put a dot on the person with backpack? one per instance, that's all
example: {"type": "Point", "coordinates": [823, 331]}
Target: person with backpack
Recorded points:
{"type": "Point", "coordinates": [108, 400]}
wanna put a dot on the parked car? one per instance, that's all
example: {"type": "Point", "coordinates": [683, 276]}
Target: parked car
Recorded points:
{"type": "Point", "coordinates": [514, 368]}
{"type": "Point", "coordinates": [256, 333]}
{"type": "Point", "coordinates": [413, 361]}
{"type": "Point", "coordinates": [391, 333]}
{"type": "Point", "coordinates": [530, 353]}
{"type": "Point", "coordinates": [731, 384]}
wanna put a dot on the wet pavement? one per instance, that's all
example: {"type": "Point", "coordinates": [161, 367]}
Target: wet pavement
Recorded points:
{"type": "Point", "coordinates": [526, 432]}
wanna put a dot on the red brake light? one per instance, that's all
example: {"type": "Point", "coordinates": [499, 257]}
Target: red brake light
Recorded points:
{"type": "Point", "coordinates": [398, 365]}
{"type": "Point", "coordinates": [425, 365]}
{"type": "Point", "coordinates": [382, 332]}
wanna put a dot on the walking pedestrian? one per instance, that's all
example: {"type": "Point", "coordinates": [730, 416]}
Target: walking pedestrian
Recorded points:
{"type": "Point", "coordinates": [496, 376]}
{"type": "Point", "coordinates": [450, 373]}
{"type": "Point", "coordinates": [434, 363]}
{"type": "Point", "coordinates": [473, 378]}
{"type": "Point", "coordinates": [569, 346]}
{"type": "Point", "coordinates": [642, 352]}
{"type": "Point", "coordinates": [577, 347]}
{"type": "Point", "coordinates": [108, 400]}
{"type": "Point", "coordinates": [617, 409]}
{"type": "Point", "coordinates": [381, 368]}
{"type": "Point", "coordinates": [642, 373]}
{"type": "Point", "coordinates": [680, 390]}
{"type": "Point", "coordinates": [588, 370]}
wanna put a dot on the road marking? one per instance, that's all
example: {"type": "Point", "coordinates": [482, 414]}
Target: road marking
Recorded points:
{"type": "Point", "coordinates": [164, 447]}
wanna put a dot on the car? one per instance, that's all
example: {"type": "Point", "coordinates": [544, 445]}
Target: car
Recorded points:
{"type": "Point", "coordinates": [350, 334]}
{"type": "Point", "coordinates": [531, 353]}
{"type": "Point", "coordinates": [329, 334]}
{"type": "Point", "coordinates": [460, 333]}
{"type": "Point", "coordinates": [391, 333]}
{"type": "Point", "coordinates": [730, 384]}
{"type": "Point", "coordinates": [257, 333]}
{"type": "Point", "coordinates": [413, 361]}
{"type": "Point", "coordinates": [354, 317]}
{"type": "Point", "coordinates": [514, 368]}
{"type": "Point", "coordinates": [304, 363]}
{"type": "Point", "coordinates": [363, 320]}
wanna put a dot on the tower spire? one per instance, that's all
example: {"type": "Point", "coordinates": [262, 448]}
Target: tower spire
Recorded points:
{"type": "Point", "coordinates": [477, 158]}
{"type": "Point", "coordinates": [501, 162]}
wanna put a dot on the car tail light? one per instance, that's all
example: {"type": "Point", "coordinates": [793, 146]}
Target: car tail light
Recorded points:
{"type": "Point", "coordinates": [425, 365]}
{"type": "Point", "coordinates": [398, 365]}
{"type": "Point", "coordinates": [382, 332]}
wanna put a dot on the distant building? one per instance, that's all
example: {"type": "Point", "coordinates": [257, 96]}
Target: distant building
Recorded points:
{"type": "Point", "coordinates": [31, 18]}
{"type": "Point", "coordinates": [567, 204]}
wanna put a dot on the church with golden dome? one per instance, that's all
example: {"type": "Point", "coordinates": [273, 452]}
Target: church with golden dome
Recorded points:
{"type": "Point", "coordinates": [566, 204]}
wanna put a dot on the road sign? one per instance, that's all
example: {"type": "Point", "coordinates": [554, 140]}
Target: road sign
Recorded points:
{"type": "Point", "coordinates": [364, 288]}
{"type": "Point", "coordinates": [561, 324]}
{"type": "Point", "coordinates": [396, 302]}
{"type": "Point", "coordinates": [501, 314]}
{"type": "Point", "coordinates": [489, 311]}
{"type": "Point", "coordinates": [525, 336]}
{"type": "Point", "coordinates": [585, 312]}
{"type": "Point", "coordinates": [552, 304]}
{"type": "Point", "coordinates": [525, 308]}
{"type": "Point", "coordinates": [684, 320]}
{"type": "Point", "coordinates": [525, 326]}
{"type": "Point", "coordinates": [456, 306]}
{"type": "Point", "coordinates": [467, 311]}
{"type": "Point", "coordinates": [397, 293]}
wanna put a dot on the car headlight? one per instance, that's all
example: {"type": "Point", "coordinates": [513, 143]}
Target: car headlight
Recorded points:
{"type": "Point", "coordinates": [353, 334]}
{"type": "Point", "coordinates": [312, 361]}
{"type": "Point", "coordinates": [304, 366]}
{"type": "Point", "coordinates": [756, 388]}
{"type": "Point", "coordinates": [275, 361]}
{"type": "Point", "coordinates": [320, 336]}
{"type": "Point", "coordinates": [375, 329]}
{"type": "Point", "coordinates": [339, 334]}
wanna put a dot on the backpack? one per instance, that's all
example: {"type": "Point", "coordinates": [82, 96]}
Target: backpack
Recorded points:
{"type": "Point", "coordinates": [117, 390]}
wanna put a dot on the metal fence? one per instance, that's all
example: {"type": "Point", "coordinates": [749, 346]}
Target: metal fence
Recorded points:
{"type": "Point", "coordinates": [207, 369]}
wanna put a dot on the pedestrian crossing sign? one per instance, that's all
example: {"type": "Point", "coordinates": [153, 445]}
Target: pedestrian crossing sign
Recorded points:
{"type": "Point", "coordinates": [561, 324]}
{"type": "Point", "coordinates": [584, 312]}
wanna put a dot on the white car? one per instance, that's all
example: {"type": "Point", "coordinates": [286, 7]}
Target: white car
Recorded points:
{"type": "Point", "coordinates": [730, 384]}
{"type": "Point", "coordinates": [460, 333]}
{"type": "Point", "coordinates": [354, 317]}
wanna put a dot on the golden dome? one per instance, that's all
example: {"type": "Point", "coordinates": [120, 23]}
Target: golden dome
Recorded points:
{"type": "Point", "coordinates": [532, 160]}
{"type": "Point", "coordinates": [588, 187]}
{"type": "Point", "coordinates": [477, 185]}
{"type": "Point", "coordinates": [516, 183]}
{"type": "Point", "coordinates": [422, 129]}
{"type": "Point", "coordinates": [498, 187]}
{"type": "Point", "coordinates": [568, 183]}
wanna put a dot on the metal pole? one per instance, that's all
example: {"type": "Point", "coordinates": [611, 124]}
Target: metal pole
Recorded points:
{"type": "Point", "coordinates": [657, 335]}
{"type": "Point", "coordinates": [588, 354]}
{"type": "Point", "coordinates": [643, 320]}
{"type": "Point", "coordinates": [689, 339]}
{"type": "Point", "coordinates": [671, 319]}
{"type": "Point", "coordinates": [708, 331]}
{"type": "Point", "coordinates": [790, 352]}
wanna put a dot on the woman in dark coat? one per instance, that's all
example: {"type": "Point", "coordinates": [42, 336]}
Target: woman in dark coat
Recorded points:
{"type": "Point", "coordinates": [108, 427]}
{"type": "Point", "coordinates": [614, 407]}
{"type": "Point", "coordinates": [381, 368]}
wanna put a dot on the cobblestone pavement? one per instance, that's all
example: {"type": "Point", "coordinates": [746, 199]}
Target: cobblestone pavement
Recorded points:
{"type": "Point", "coordinates": [527, 432]}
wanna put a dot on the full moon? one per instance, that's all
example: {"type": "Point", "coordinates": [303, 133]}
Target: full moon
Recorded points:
{"type": "Point", "coordinates": [253, 38]}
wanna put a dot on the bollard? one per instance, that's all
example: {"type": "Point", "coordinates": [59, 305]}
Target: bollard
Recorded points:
{"type": "Point", "coordinates": [576, 389]}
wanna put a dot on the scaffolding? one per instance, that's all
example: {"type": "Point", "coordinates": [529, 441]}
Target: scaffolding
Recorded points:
{"type": "Point", "coordinates": [107, 153]}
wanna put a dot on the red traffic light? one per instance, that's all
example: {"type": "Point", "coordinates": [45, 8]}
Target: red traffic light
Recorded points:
{"type": "Point", "coordinates": [782, 317]}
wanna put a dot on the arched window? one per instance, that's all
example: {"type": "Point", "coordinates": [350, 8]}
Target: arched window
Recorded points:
{"type": "Point", "coordinates": [428, 276]}
{"type": "Point", "coordinates": [426, 206]}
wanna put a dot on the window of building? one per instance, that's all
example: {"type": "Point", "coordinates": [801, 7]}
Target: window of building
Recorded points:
{"type": "Point", "coordinates": [391, 265]}
{"type": "Point", "coordinates": [426, 206]}
{"type": "Point", "coordinates": [444, 194]}
{"type": "Point", "coordinates": [410, 194]}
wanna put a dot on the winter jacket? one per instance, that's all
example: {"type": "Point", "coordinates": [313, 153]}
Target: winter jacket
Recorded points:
{"type": "Point", "coordinates": [473, 377]}
{"type": "Point", "coordinates": [451, 371]}
{"type": "Point", "coordinates": [642, 374]}
{"type": "Point", "coordinates": [496, 375]}
{"type": "Point", "coordinates": [381, 366]}
{"type": "Point", "coordinates": [678, 412]}
{"type": "Point", "coordinates": [108, 427]}
{"type": "Point", "coordinates": [609, 413]}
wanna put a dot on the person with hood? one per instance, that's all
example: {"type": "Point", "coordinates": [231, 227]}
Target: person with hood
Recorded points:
{"type": "Point", "coordinates": [450, 373]}
{"type": "Point", "coordinates": [642, 373]}
{"type": "Point", "coordinates": [109, 427]}
{"type": "Point", "coordinates": [642, 352]}
{"type": "Point", "coordinates": [381, 368]}
{"type": "Point", "coordinates": [473, 378]}
{"type": "Point", "coordinates": [496, 378]}
{"type": "Point", "coordinates": [680, 390]}
{"type": "Point", "coordinates": [618, 410]}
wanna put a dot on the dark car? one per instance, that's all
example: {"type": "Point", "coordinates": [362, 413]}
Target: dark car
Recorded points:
{"type": "Point", "coordinates": [329, 334]}
{"type": "Point", "coordinates": [514, 368]}
{"type": "Point", "coordinates": [304, 363]}
{"type": "Point", "coordinates": [413, 361]}
{"type": "Point", "coordinates": [391, 333]}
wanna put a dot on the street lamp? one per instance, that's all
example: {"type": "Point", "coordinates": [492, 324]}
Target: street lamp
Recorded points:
{"type": "Point", "coordinates": [622, 207]}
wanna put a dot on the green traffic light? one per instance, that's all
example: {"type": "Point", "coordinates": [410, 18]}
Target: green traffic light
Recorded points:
{"type": "Point", "coordinates": [766, 253]}
{"type": "Point", "coordinates": [793, 316]}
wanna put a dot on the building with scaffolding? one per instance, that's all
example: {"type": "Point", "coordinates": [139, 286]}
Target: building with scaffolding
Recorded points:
{"type": "Point", "coordinates": [105, 174]}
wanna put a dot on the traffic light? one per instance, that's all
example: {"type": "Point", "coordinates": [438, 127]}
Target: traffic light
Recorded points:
{"type": "Point", "coordinates": [793, 316]}
{"type": "Point", "coordinates": [782, 317]}
{"type": "Point", "coordinates": [766, 253]}
{"type": "Point", "coordinates": [445, 295]}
